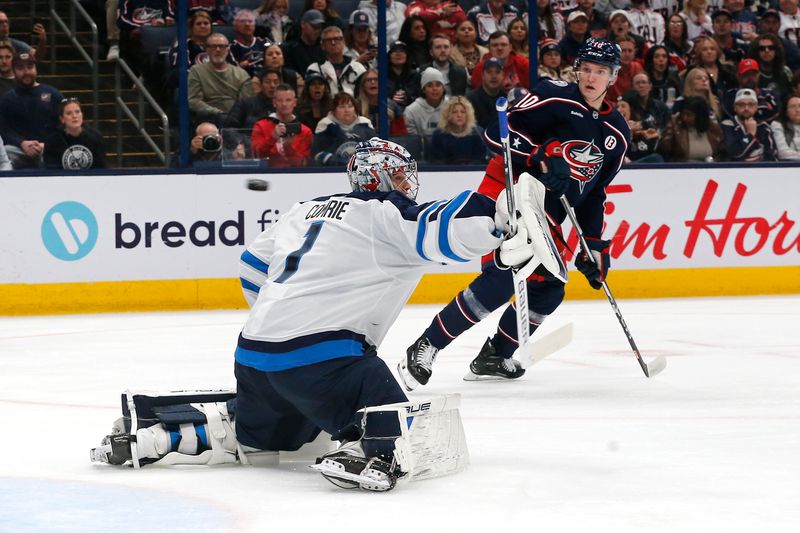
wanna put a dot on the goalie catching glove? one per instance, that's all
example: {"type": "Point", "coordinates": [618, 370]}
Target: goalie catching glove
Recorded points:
{"type": "Point", "coordinates": [533, 232]}
{"type": "Point", "coordinates": [595, 271]}
{"type": "Point", "coordinates": [547, 164]}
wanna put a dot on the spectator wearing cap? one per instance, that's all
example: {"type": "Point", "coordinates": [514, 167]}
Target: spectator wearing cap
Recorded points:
{"type": "Point", "coordinates": [315, 101]}
{"type": "Point", "coordinates": [771, 23]}
{"type": "Point", "coordinates": [247, 49]}
{"type": "Point", "coordinates": [247, 111]}
{"type": "Point", "coordinates": [484, 97]}
{"type": "Point", "coordinates": [748, 76]}
{"type": "Point", "coordinates": [577, 33]}
{"type": "Point", "coordinates": [395, 15]}
{"type": "Point", "coordinates": [743, 20]}
{"type": "Point", "coordinates": [455, 76]}
{"type": "Point", "coordinates": [40, 48]}
{"type": "Point", "coordinates": [340, 71]}
{"type": "Point", "coordinates": [281, 137]}
{"type": "Point", "coordinates": [28, 113]}
{"type": "Point", "coordinates": [401, 77]}
{"type": "Point", "coordinates": [491, 16]}
{"type": "Point", "coordinates": [360, 43]}
{"type": "Point", "coordinates": [745, 138]}
{"type": "Point", "coordinates": [422, 116]}
{"type": "Point", "coordinates": [216, 85]}
{"type": "Point", "coordinates": [598, 22]}
{"type": "Point", "coordinates": [328, 11]}
{"type": "Point", "coordinates": [466, 51]}
{"type": "Point", "coordinates": [515, 68]}
{"type": "Point", "coordinates": [629, 67]}
{"type": "Point", "coordinates": [733, 47]}
{"type": "Point", "coordinates": [646, 22]}
{"type": "Point", "coordinates": [7, 79]}
{"type": "Point", "coordinates": [441, 17]}
{"type": "Point", "coordinates": [774, 75]}
{"type": "Point", "coordinates": [790, 20]}
{"type": "Point", "coordinates": [620, 26]}
{"type": "Point", "coordinates": [551, 64]}
{"type": "Point", "coordinates": [304, 50]}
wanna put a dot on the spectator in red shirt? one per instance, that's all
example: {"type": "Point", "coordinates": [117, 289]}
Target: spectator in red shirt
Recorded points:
{"type": "Point", "coordinates": [282, 138]}
{"type": "Point", "coordinates": [441, 17]}
{"type": "Point", "coordinates": [629, 68]}
{"type": "Point", "coordinates": [515, 67]}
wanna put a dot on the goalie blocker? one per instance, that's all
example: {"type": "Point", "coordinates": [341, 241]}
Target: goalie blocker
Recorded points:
{"type": "Point", "coordinates": [412, 440]}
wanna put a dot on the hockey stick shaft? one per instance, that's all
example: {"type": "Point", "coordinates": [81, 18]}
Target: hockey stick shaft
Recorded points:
{"type": "Point", "coordinates": [649, 369]}
{"type": "Point", "coordinates": [520, 280]}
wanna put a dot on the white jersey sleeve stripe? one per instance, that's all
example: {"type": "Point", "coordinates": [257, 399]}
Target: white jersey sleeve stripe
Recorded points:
{"type": "Point", "coordinates": [446, 216]}
{"type": "Point", "coordinates": [422, 228]}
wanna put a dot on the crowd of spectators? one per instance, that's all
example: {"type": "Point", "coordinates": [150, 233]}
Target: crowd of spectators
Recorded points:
{"type": "Point", "coordinates": [700, 80]}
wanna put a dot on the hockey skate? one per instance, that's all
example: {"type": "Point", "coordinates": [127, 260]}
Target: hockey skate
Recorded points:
{"type": "Point", "coordinates": [417, 367]}
{"type": "Point", "coordinates": [348, 469]}
{"type": "Point", "coordinates": [490, 366]}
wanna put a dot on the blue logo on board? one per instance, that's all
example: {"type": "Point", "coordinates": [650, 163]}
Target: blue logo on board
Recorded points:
{"type": "Point", "coordinates": [69, 231]}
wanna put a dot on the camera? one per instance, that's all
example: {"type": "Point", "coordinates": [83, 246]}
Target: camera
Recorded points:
{"type": "Point", "coordinates": [292, 128]}
{"type": "Point", "coordinates": [211, 143]}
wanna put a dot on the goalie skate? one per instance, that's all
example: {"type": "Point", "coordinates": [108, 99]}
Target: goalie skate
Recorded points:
{"type": "Point", "coordinates": [348, 470]}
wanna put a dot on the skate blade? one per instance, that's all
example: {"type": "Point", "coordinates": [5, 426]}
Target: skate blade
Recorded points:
{"type": "Point", "coordinates": [471, 376]}
{"type": "Point", "coordinates": [406, 379]}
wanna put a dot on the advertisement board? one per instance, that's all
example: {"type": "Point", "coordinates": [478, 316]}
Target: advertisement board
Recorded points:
{"type": "Point", "coordinates": [168, 228]}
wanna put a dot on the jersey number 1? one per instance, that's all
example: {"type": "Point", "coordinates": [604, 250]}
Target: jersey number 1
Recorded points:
{"type": "Point", "coordinates": [293, 259]}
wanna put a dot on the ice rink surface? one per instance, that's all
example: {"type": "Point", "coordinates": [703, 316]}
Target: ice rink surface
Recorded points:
{"type": "Point", "coordinates": [583, 442]}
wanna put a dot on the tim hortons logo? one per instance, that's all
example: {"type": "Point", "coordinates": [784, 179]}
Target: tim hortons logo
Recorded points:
{"type": "Point", "coordinates": [747, 235]}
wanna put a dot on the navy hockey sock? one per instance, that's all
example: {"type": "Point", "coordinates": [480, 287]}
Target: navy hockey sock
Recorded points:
{"type": "Point", "coordinates": [505, 340]}
{"type": "Point", "coordinates": [456, 318]}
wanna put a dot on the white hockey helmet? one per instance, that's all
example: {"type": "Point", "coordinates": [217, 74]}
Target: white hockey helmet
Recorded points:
{"type": "Point", "coordinates": [375, 161]}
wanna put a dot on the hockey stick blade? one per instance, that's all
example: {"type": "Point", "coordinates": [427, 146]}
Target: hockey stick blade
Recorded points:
{"type": "Point", "coordinates": [546, 345]}
{"type": "Point", "coordinates": [537, 350]}
{"type": "Point", "coordinates": [655, 366]}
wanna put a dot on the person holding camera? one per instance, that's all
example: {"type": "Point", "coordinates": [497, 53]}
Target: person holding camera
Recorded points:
{"type": "Point", "coordinates": [207, 145]}
{"type": "Point", "coordinates": [282, 138]}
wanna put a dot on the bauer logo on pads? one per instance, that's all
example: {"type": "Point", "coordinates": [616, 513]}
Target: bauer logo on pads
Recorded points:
{"type": "Point", "coordinates": [69, 231]}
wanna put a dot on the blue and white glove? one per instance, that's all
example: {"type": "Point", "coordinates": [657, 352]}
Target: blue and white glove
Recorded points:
{"type": "Point", "coordinates": [595, 271]}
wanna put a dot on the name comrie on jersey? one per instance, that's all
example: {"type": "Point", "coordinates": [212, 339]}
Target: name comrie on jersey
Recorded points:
{"type": "Point", "coordinates": [311, 275]}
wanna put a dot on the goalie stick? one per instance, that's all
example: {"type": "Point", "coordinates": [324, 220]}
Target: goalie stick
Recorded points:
{"type": "Point", "coordinates": [537, 350]}
{"type": "Point", "coordinates": [520, 278]}
{"type": "Point", "coordinates": [656, 365]}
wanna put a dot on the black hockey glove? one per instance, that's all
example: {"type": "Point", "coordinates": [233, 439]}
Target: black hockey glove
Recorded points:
{"type": "Point", "coordinates": [555, 174]}
{"type": "Point", "coordinates": [595, 272]}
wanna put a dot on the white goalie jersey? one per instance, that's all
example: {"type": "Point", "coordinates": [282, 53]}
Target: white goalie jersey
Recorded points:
{"type": "Point", "coordinates": [310, 277]}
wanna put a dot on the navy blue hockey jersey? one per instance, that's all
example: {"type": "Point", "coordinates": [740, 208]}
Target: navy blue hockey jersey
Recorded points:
{"type": "Point", "coordinates": [594, 145]}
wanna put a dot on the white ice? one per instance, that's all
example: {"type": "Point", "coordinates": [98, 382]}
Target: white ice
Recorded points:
{"type": "Point", "coordinates": [583, 442]}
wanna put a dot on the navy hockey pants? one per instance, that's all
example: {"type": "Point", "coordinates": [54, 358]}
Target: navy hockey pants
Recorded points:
{"type": "Point", "coordinates": [284, 410]}
{"type": "Point", "coordinates": [489, 291]}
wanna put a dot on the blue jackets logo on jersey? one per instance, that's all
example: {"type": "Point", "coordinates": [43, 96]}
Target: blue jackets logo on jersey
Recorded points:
{"type": "Point", "coordinates": [584, 158]}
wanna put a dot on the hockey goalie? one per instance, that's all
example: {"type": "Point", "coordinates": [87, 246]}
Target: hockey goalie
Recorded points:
{"type": "Point", "coordinates": [324, 284]}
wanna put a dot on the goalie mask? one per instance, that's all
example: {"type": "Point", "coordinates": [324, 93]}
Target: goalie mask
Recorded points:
{"type": "Point", "coordinates": [379, 165]}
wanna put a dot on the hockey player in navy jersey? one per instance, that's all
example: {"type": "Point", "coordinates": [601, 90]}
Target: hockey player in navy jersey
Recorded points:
{"type": "Point", "coordinates": [574, 142]}
{"type": "Point", "coordinates": [325, 283]}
